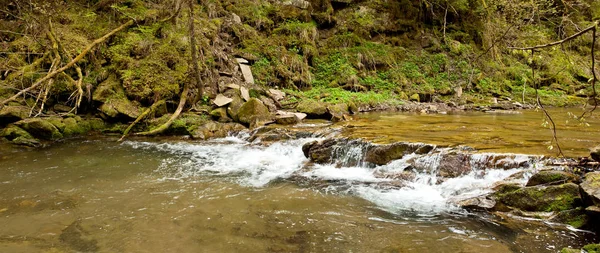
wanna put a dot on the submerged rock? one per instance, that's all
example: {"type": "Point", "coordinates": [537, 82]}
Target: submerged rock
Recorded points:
{"type": "Point", "coordinates": [547, 177]}
{"type": "Point", "coordinates": [542, 198]}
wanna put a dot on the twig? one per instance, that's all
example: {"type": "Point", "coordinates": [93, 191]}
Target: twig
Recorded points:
{"type": "Point", "coordinates": [593, 27]}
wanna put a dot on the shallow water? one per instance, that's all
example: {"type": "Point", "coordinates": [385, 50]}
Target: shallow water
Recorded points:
{"type": "Point", "coordinates": [229, 195]}
{"type": "Point", "coordinates": [523, 132]}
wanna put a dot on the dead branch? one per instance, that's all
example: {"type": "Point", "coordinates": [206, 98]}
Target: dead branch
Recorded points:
{"type": "Point", "coordinates": [593, 27]}
{"type": "Point", "coordinates": [70, 64]}
{"type": "Point", "coordinates": [167, 124]}
{"type": "Point", "coordinates": [141, 117]}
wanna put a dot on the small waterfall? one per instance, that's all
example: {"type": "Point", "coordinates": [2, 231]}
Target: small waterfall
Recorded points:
{"type": "Point", "coordinates": [425, 182]}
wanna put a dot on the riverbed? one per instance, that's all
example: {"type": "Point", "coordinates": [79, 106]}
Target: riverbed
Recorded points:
{"type": "Point", "coordinates": [236, 195]}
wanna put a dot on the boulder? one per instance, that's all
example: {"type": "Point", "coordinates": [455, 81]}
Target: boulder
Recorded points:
{"type": "Point", "coordinates": [542, 198]}
{"type": "Point", "coordinates": [383, 154]}
{"type": "Point", "coordinates": [595, 154]}
{"type": "Point", "coordinates": [548, 177]}
{"type": "Point", "coordinates": [276, 94]}
{"type": "Point", "coordinates": [220, 114]}
{"type": "Point", "coordinates": [320, 152]}
{"type": "Point", "coordinates": [590, 188]}
{"type": "Point", "coordinates": [577, 218]}
{"type": "Point", "coordinates": [11, 113]}
{"type": "Point", "coordinates": [213, 129]}
{"type": "Point", "coordinates": [73, 127]}
{"type": "Point", "coordinates": [454, 165]}
{"type": "Point", "coordinates": [116, 107]}
{"type": "Point", "coordinates": [288, 119]}
{"type": "Point", "coordinates": [40, 128]}
{"type": "Point", "coordinates": [234, 107]}
{"type": "Point", "coordinates": [269, 103]}
{"type": "Point", "coordinates": [19, 136]}
{"type": "Point", "coordinates": [221, 100]}
{"type": "Point", "coordinates": [313, 109]}
{"type": "Point", "coordinates": [252, 111]}
{"type": "Point", "coordinates": [338, 111]}
{"type": "Point", "coordinates": [478, 203]}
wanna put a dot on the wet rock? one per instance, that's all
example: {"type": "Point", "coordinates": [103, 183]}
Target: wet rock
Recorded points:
{"type": "Point", "coordinates": [550, 177]}
{"type": "Point", "coordinates": [338, 111]}
{"type": "Point", "coordinates": [213, 129]}
{"type": "Point", "coordinates": [289, 119]}
{"type": "Point", "coordinates": [542, 198]}
{"type": "Point", "coordinates": [313, 109]}
{"type": "Point", "coordinates": [590, 188]}
{"type": "Point", "coordinates": [252, 111]}
{"type": "Point", "coordinates": [220, 114]}
{"type": "Point", "coordinates": [454, 165]}
{"type": "Point", "coordinates": [320, 152]}
{"type": "Point", "coordinates": [40, 128]}
{"type": "Point", "coordinates": [577, 218]}
{"type": "Point", "coordinates": [19, 136]}
{"type": "Point", "coordinates": [478, 203]}
{"type": "Point", "coordinates": [11, 113]}
{"type": "Point", "coordinates": [221, 100]}
{"type": "Point", "coordinates": [383, 154]}
{"type": "Point", "coordinates": [595, 153]}
{"type": "Point", "coordinates": [307, 146]}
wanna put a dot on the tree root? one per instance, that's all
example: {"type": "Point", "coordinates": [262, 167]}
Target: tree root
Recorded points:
{"type": "Point", "coordinates": [68, 65]}
{"type": "Point", "coordinates": [167, 124]}
{"type": "Point", "coordinates": [142, 116]}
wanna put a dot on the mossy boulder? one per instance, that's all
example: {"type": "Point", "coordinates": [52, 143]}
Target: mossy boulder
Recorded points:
{"type": "Point", "coordinates": [220, 114]}
{"type": "Point", "coordinates": [251, 111]}
{"type": "Point", "coordinates": [40, 128]}
{"type": "Point", "coordinates": [577, 218]}
{"type": "Point", "coordinates": [313, 109]}
{"type": "Point", "coordinates": [338, 111]}
{"type": "Point", "coordinates": [11, 113]}
{"type": "Point", "coordinates": [213, 129]}
{"type": "Point", "coordinates": [590, 188]}
{"type": "Point", "coordinates": [551, 177]}
{"type": "Point", "coordinates": [114, 102]}
{"type": "Point", "coordinates": [57, 122]}
{"type": "Point", "coordinates": [233, 108]}
{"type": "Point", "coordinates": [19, 136]}
{"type": "Point", "coordinates": [73, 127]}
{"type": "Point", "coordinates": [542, 198]}
{"type": "Point", "coordinates": [186, 123]}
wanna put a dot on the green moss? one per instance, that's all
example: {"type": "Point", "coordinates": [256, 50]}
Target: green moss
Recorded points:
{"type": "Point", "coordinates": [592, 248]}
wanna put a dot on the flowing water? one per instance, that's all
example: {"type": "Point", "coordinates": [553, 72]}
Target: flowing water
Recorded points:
{"type": "Point", "coordinates": [237, 195]}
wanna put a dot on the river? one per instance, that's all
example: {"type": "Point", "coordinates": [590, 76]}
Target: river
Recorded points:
{"type": "Point", "coordinates": [233, 195]}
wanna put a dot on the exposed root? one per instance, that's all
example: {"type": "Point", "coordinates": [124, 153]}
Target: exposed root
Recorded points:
{"type": "Point", "coordinates": [167, 124]}
{"type": "Point", "coordinates": [68, 65]}
{"type": "Point", "coordinates": [141, 117]}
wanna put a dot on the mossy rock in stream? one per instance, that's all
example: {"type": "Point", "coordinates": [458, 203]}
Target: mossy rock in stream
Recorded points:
{"type": "Point", "coordinates": [12, 113]}
{"type": "Point", "coordinates": [40, 128]}
{"type": "Point", "coordinates": [542, 198]}
{"type": "Point", "coordinates": [18, 136]}
{"type": "Point", "coordinates": [72, 127]}
{"type": "Point", "coordinates": [313, 109]}
{"type": "Point", "coordinates": [590, 188]}
{"type": "Point", "coordinates": [590, 248]}
{"type": "Point", "coordinates": [552, 177]}
{"type": "Point", "coordinates": [252, 110]}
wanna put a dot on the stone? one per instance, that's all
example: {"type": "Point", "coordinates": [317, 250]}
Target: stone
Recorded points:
{"type": "Point", "coordinates": [577, 218]}
{"type": "Point", "coordinates": [222, 100]}
{"type": "Point", "coordinates": [120, 107]}
{"type": "Point", "coordinates": [220, 114]}
{"type": "Point", "coordinates": [548, 177]}
{"type": "Point", "coordinates": [241, 60]}
{"type": "Point", "coordinates": [302, 4]}
{"type": "Point", "coordinates": [478, 203]}
{"type": "Point", "coordinates": [542, 198]}
{"type": "Point", "coordinates": [313, 109]}
{"type": "Point", "coordinates": [246, 71]}
{"type": "Point", "coordinates": [234, 107]}
{"type": "Point", "coordinates": [277, 94]}
{"type": "Point", "coordinates": [300, 116]}
{"type": "Point", "coordinates": [252, 110]}
{"type": "Point", "coordinates": [320, 152]}
{"type": "Point", "coordinates": [245, 94]}
{"type": "Point", "coordinates": [11, 113]}
{"type": "Point", "coordinates": [236, 18]}
{"type": "Point", "coordinates": [595, 153]}
{"type": "Point", "coordinates": [213, 129]}
{"type": "Point", "coordinates": [19, 136]}
{"type": "Point", "coordinates": [233, 86]}
{"type": "Point", "coordinates": [590, 188]}
{"type": "Point", "coordinates": [338, 111]}
{"type": "Point", "coordinates": [72, 127]}
{"type": "Point", "coordinates": [454, 165]}
{"type": "Point", "coordinates": [269, 103]}
{"type": "Point", "coordinates": [40, 128]}
{"type": "Point", "coordinates": [286, 119]}
{"type": "Point", "coordinates": [383, 154]}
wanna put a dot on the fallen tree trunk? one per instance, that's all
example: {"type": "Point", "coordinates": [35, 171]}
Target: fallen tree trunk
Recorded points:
{"type": "Point", "coordinates": [70, 64]}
